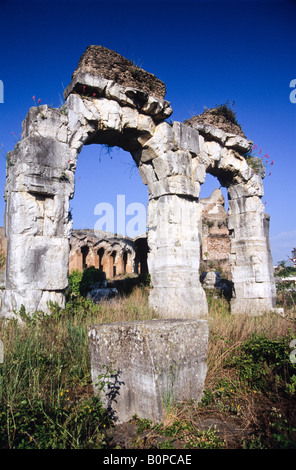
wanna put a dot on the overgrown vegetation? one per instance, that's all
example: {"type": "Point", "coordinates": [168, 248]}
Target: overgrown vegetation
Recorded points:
{"type": "Point", "coordinates": [227, 110]}
{"type": "Point", "coordinates": [2, 260]}
{"type": "Point", "coordinates": [286, 289]}
{"type": "Point", "coordinates": [46, 393]}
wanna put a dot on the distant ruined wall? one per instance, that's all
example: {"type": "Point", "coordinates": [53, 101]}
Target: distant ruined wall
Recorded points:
{"type": "Point", "coordinates": [215, 242]}
{"type": "Point", "coordinates": [3, 241]}
{"type": "Point", "coordinates": [112, 254]}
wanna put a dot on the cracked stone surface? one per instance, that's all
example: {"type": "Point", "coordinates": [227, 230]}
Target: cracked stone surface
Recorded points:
{"type": "Point", "coordinates": [173, 160]}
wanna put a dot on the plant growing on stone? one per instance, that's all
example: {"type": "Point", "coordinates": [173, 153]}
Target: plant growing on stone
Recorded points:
{"type": "Point", "coordinates": [38, 101]}
{"type": "Point", "coordinates": [227, 110]}
{"type": "Point", "coordinates": [64, 175]}
{"type": "Point", "coordinates": [5, 155]}
{"type": "Point", "coordinates": [258, 162]}
{"type": "Point", "coordinates": [17, 138]}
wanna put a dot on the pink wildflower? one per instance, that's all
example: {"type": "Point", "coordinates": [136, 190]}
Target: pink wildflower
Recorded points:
{"type": "Point", "coordinates": [39, 101]}
{"type": "Point", "coordinates": [33, 97]}
{"type": "Point", "coordinates": [269, 173]}
{"type": "Point", "coordinates": [272, 162]}
{"type": "Point", "coordinates": [94, 94]}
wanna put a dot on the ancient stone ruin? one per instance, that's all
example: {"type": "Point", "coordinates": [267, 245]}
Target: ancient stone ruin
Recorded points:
{"type": "Point", "coordinates": [111, 101]}
{"type": "Point", "coordinates": [125, 106]}
{"type": "Point", "coordinates": [112, 254]}
{"type": "Point", "coordinates": [215, 240]}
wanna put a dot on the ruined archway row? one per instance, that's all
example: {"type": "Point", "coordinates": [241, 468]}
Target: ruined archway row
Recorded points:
{"type": "Point", "coordinates": [173, 160]}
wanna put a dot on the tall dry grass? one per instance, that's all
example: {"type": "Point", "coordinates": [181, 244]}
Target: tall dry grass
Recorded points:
{"type": "Point", "coordinates": [228, 332]}
{"type": "Point", "coordinates": [46, 355]}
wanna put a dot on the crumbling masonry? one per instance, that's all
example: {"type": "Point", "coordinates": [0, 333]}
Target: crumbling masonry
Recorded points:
{"type": "Point", "coordinates": [110, 101]}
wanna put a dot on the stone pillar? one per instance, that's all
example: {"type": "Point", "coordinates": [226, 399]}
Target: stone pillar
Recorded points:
{"type": "Point", "coordinates": [174, 257]}
{"type": "Point", "coordinates": [250, 256]}
{"type": "Point", "coordinates": [37, 222]}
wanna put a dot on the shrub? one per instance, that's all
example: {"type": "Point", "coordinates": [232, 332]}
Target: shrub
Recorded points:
{"type": "Point", "coordinates": [90, 276]}
{"type": "Point", "coordinates": [260, 357]}
{"type": "Point", "coordinates": [80, 282]}
{"type": "Point", "coordinates": [74, 282]}
{"type": "Point", "coordinates": [227, 110]}
{"type": "Point", "coordinates": [144, 279]}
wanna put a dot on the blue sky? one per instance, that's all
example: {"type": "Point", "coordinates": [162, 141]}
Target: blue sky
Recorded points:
{"type": "Point", "coordinates": [205, 52]}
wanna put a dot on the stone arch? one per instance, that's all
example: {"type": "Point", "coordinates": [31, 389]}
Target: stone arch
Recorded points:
{"type": "Point", "coordinates": [172, 160]}
{"type": "Point", "coordinates": [84, 252]}
{"type": "Point", "coordinates": [222, 155]}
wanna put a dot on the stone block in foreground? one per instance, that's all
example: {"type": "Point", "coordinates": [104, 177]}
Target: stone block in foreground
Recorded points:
{"type": "Point", "coordinates": [150, 362]}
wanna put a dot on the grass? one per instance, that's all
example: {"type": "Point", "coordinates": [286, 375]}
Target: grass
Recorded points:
{"type": "Point", "coordinates": [46, 394]}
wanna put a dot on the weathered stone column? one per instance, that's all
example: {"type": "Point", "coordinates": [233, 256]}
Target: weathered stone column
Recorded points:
{"type": "Point", "coordinates": [169, 167]}
{"type": "Point", "coordinates": [250, 256]}
{"type": "Point", "coordinates": [37, 223]}
{"type": "Point", "coordinates": [224, 156]}
{"type": "Point", "coordinates": [174, 257]}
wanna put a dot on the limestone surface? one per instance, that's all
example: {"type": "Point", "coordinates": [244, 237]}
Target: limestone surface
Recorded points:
{"type": "Point", "coordinates": [173, 160]}
{"type": "Point", "coordinates": [100, 61]}
{"type": "Point", "coordinates": [143, 366]}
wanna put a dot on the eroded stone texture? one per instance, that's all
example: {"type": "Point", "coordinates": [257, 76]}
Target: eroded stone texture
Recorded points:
{"type": "Point", "coordinates": [98, 60]}
{"type": "Point", "coordinates": [173, 161]}
{"type": "Point", "coordinates": [109, 101]}
{"type": "Point", "coordinates": [222, 155]}
{"type": "Point", "coordinates": [146, 365]}
{"type": "Point", "coordinates": [174, 257]}
{"type": "Point", "coordinates": [216, 119]}
{"type": "Point", "coordinates": [112, 254]}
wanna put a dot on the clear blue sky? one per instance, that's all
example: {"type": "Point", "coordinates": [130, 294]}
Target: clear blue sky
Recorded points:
{"type": "Point", "coordinates": [205, 52]}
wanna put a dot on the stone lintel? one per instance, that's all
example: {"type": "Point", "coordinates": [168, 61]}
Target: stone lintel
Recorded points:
{"type": "Point", "coordinates": [99, 60]}
{"type": "Point", "coordinates": [90, 86]}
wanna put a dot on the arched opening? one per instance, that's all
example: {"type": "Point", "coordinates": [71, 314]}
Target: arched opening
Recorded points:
{"type": "Point", "coordinates": [166, 157]}
{"type": "Point", "coordinates": [141, 265]}
{"type": "Point", "coordinates": [101, 252]}
{"type": "Point", "coordinates": [84, 252]}
{"type": "Point", "coordinates": [215, 241]}
{"type": "Point", "coordinates": [109, 205]}
{"type": "Point", "coordinates": [124, 262]}
{"type": "Point", "coordinates": [113, 256]}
